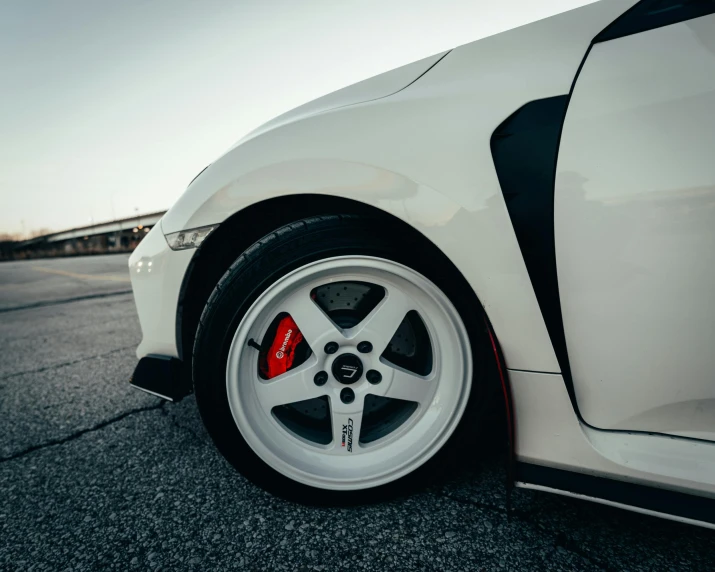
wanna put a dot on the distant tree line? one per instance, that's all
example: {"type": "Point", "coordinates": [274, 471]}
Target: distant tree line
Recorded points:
{"type": "Point", "coordinates": [9, 240]}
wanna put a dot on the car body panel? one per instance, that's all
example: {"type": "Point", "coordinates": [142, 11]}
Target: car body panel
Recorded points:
{"type": "Point", "coordinates": [423, 155]}
{"type": "Point", "coordinates": [157, 273]}
{"type": "Point", "coordinates": [373, 88]}
{"type": "Point", "coordinates": [635, 231]}
{"type": "Point", "coordinates": [548, 432]}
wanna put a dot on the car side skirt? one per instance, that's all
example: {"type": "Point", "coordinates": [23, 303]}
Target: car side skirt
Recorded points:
{"type": "Point", "coordinates": [643, 499]}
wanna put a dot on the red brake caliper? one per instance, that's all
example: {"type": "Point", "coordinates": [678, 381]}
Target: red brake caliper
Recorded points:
{"type": "Point", "coordinates": [281, 353]}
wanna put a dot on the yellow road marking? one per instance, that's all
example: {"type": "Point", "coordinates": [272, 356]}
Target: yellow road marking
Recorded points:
{"type": "Point", "coordinates": [84, 276]}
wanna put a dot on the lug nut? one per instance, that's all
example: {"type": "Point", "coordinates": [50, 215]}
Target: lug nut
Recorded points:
{"type": "Point", "coordinates": [347, 395]}
{"type": "Point", "coordinates": [373, 376]}
{"type": "Point", "coordinates": [331, 348]}
{"type": "Point", "coordinates": [364, 347]}
{"type": "Point", "coordinates": [320, 378]}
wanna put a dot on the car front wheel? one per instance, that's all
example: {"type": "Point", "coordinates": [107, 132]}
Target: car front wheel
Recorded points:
{"type": "Point", "coordinates": [331, 364]}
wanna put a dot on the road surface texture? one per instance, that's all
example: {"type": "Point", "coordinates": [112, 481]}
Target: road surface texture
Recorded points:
{"type": "Point", "coordinates": [95, 475]}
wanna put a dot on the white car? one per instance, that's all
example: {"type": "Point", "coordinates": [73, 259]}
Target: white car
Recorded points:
{"type": "Point", "coordinates": [522, 228]}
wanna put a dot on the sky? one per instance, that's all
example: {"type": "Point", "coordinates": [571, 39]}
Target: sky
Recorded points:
{"type": "Point", "coordinates": [108, 108]}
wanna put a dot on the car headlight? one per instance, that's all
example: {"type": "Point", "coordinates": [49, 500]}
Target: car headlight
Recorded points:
{"type": "Point", "coordinates": [190, 238]}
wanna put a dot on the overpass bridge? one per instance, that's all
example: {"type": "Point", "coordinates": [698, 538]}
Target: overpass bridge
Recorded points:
{"type": "Point", "coordinates": [121, 235]}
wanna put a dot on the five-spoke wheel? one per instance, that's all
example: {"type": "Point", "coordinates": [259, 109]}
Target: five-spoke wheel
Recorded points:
{"type": "Point", "coordinates": [368, 417]}
{"type": "Point", "coordinates": [328, 360]}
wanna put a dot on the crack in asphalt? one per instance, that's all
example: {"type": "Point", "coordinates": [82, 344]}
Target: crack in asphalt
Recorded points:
{"type": "Point", "coordinates": [64, 301]}
{"type": "Point", "coordinates": [176, 424]}
{"type": "Point", "coordinates": [64, 364]}
{"type": "Point", "coordinates": [79, 433]}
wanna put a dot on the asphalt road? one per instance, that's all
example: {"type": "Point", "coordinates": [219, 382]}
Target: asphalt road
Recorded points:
{"type": "Point", "coordinates": [95, 475]}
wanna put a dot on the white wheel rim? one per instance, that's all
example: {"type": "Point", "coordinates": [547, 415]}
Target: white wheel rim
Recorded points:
{"type": "Point", "coordinates": [441, 396]}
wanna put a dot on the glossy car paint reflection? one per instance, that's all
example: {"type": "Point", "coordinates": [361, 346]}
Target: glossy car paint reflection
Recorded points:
{"type": "Point", "coordinates": [635, 231]}
{"type": "Point", "coordinates": [415, 155]}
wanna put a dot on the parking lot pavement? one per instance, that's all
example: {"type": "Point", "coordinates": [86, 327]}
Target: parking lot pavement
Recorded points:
{"type": "Point", "coordinates": [95, 475]}
{"type": "Point", "coordinates": [33, 283]}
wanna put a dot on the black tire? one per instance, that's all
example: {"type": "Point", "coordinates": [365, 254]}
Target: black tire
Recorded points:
{"type": "Point", "coordinates": [291, 247]}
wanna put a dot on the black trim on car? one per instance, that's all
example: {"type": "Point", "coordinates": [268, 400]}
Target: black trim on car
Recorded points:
{"type": "Point", "coordinates": [162, 376]}
{"type": "Point", "coordinates": [659, 500]}
{"type": "Point", "coordinates": [651, 14]}
{"type": "Point", "coordinates": [525, 149]}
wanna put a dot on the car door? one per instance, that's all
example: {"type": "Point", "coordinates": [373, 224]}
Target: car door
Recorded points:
{"type": "Point", "coordinates": [635, 223]}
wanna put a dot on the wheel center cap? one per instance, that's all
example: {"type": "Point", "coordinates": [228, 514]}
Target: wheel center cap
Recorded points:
{"type": "Point", "coordinates": [347, 368]}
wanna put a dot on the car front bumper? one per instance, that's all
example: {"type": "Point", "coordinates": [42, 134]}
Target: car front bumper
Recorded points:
{"type": "Point", "coordinates": [157, 274]}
